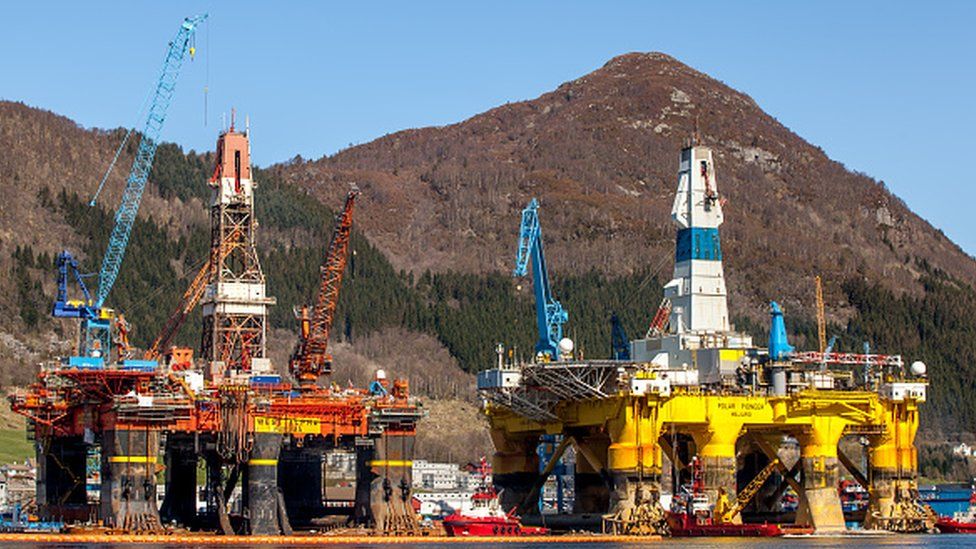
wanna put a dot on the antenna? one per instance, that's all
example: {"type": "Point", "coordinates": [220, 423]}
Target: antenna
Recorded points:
{"type": "Point", "coordinates": [206, 82]}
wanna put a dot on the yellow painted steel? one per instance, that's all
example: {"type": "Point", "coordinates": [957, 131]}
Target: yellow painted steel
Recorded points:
{"type": "Point", "coordinates": [720, 419]}
{"type": "Point", "coordinates": [818, 419]}
{"type": "Point", "coordinates": [295, 425]}
{"type": "Point", "coordinates": [390, 463]}
{"type": "Point", "coordinates": [260, 462]}
{"type": "Point", "coordinates": [132, 459]}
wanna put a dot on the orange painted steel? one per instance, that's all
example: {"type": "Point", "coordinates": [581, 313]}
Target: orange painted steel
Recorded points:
{"type": "Point", "coordinates": [190, 298]}
{"type": "Point", "coordinates": [116, 399]}
{"type": "Point", "coordinates": [311, 358]}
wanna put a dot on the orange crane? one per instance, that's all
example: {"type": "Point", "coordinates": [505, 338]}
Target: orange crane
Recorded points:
{"type": "Point", "coordinates": [311, 358]}
{"type": "Point", "coordinates": [189, 300]}
{"type": "Point", "coordinates": [192, 296]}
{"type": "Point", "coordinates": [821, 317]}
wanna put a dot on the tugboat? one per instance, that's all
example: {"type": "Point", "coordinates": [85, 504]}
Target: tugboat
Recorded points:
{"type": "Point", "coordinates": [692, 514]}
{"type": "Point", "coordinates": [962, 522]}
{"type": "Point", "coordinates": [486, 518]}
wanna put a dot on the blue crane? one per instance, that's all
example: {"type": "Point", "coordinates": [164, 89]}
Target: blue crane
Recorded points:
{"type": "Point", "coordinates": [97, 319]}
{"type": "Point", "coordinates": [65, 307]}
{"type": "Point", "coordinates": [550, 315]}
{"type": "Point", "coordinates": [125, 216]}
{"type": "Point", "coordinates": [619, 343]}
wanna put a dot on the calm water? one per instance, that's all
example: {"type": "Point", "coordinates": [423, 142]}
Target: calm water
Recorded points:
{"type": "Point", "coordinates": [943, 541]}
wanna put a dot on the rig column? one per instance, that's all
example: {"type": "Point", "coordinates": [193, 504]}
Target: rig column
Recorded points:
{"type": "Point", "coordinates": [391, 488]}
{"type": "Point", "coordinates": [893, 466]}
{"type": "Point", "coordinates": [515, 465]}
{"type": "Point", "coordinates": [129, 479]}
{"type": "Point", "coordinates": [300, 479]}
{"type": "Point", "coordinates": [261, 485]}
{"type": "Point", "coordinates": [821, 507]}
{"type": "Point", "coordinates": [716, 449]}
{"type": "Point", "coordinates": [180, 503]}
{"type": "Point", "coordinates": [60, 485]}
{"type": "Point", "coordinates": [634, 461]}
{"type": "Point", "coordinates": [590, 479]}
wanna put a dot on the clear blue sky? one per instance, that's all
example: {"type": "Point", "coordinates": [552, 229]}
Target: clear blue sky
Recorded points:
{"type": "Point", "coordinates": [887, 88]}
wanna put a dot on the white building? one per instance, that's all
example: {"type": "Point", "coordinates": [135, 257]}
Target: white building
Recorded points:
{"type": "Point", "coordinates": [443, 488]}
{"type": "Point", "coordinates": [963, 450]}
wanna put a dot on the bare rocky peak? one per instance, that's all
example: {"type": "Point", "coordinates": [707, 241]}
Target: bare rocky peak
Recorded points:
{"type": "Point", "coordinates": [601, 154]}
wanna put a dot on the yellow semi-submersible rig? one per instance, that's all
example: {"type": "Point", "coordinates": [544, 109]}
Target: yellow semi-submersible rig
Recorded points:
{"type": "Point", "coordinates": [696, 394]}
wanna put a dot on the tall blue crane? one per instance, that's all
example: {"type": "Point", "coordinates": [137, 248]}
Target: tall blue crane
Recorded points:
{"type": "Point", "coordinates": [125, 216]}
{"type": "Point", "coordinates": [96, 319]}
{"type": "Point", "coordinates": [550, 315]}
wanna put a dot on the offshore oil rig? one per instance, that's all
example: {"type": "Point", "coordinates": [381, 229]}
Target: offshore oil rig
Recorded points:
{"type": "Point", "coordinates": [166, 413]}
{"type": "Point", "coordinates": [696, 402]}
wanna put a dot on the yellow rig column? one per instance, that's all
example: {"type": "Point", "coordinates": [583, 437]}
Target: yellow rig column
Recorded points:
{"type": "Point", "coordinates": [515, 465]}
{"type": "Point", "coordinates": [634, 461]}
{"type": "Point", "coordinates": [821, 508]}
{"type": "Point", "coordinates": [716, 449]}
{"type": "Point", "coordinates": [893, 472]}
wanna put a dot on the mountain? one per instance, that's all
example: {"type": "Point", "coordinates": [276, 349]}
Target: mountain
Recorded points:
{"type": "Point", "coordinates": [601, 154]}
{"type": "Point", "coordinates": [429, 292]}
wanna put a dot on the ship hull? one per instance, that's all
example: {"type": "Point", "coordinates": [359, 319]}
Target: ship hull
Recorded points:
{"type": "Point", "coordinates": [461, 526]}
{"type": "Point", "coordinates": [952, 526]}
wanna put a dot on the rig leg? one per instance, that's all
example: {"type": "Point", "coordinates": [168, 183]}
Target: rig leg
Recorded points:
{"type": "Point", "coordinates": [180, 503]}
{"type": "Point", "coordinates": [216, 488]}
{"type": "Point", "coordinates": [821, 474]}
{"type": "Point", "coordinates": [592, 478]}
{"type": "Point", "coordinates": [261, 485]}
{"type": "Point", "coordinates": [129, 480]}
{"type": "Point", "coordinates": [391, 488]}
{"type": "Point", "coordinates": [716, 449]}
{"type": "Point", "coordinates": [634, 461]}
{"type": "Point", "coordinates": [300, 480]}
{"type": "Point", "coordinates": [362, 510]}
{"type": "Point", "coordinates": [60, 486]}
{"type": "Point", "coordinates": [515, 466]}
{"type": "Point", "coordinates": [893, 462]}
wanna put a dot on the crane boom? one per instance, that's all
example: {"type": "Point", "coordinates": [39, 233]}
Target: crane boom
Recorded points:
{"type": "Point", "coordinates": [189, 300]}
{"type": "Point", "coordinates": [821, 317]}
{"type": "Point", "coordinates": [311, 359]}
{"type": "Point", "coordinates": [125, 216]}
{"type": "Point", "coordinates": [727, 515]}
{"type": "Point", "coordinates": [550, 315]}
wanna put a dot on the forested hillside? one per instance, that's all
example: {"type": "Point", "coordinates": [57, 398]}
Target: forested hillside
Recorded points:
{"type": "Point", "coordinates": [428, 288]}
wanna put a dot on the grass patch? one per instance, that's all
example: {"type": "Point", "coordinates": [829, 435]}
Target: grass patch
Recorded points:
{"type": "Point", "coordinates": [14, 446]}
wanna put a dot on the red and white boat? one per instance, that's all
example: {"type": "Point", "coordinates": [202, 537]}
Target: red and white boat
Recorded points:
{"type": "Point", "coordinates": [691, 514]}
{"type": "Point", "coordinates": [486, 517]}
{"type": "Point", "coordinates": [963, 522]}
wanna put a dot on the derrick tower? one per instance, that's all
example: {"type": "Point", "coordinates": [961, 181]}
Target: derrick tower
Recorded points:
{"type": "Point", "coordinates": [692, 326]}
{"type": "Point", "coordinates": [235, 305]}
{"type": "Point", "coordinates": [697, 291]}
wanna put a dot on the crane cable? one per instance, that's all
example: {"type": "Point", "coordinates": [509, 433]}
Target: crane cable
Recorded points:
{"type": "Point", "coordinates": [118, 152]}
{"type": "Point", "coordinates": [142, 109]}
